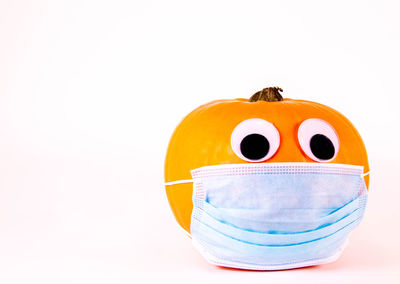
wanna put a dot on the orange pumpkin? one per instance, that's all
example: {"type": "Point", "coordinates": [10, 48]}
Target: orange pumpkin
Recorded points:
{"type": "Point", "coordinates": [204, 136]}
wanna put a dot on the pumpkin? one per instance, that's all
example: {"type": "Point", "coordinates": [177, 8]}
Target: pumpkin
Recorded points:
{"type": "Point", "coordinates": [209, 134]}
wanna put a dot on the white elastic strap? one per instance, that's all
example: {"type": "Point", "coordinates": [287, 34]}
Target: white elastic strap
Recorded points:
{"type": "Point", "coordinates": [179, 181]}
{"type": "Point", "coordinates": [367, 173]}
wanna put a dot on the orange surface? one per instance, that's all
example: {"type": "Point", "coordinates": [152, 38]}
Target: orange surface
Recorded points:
{"type": "Point", "coordinates": [203, 139]}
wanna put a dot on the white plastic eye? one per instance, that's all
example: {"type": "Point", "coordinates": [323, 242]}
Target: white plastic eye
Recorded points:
{"type": "Point", "coordinates": [255, 140]}
{"type": "Point", "coordinates": [318, 139]}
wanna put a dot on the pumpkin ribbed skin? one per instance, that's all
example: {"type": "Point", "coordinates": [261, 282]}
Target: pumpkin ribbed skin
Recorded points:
{"type": "Point", "coordinates": [203, 139]}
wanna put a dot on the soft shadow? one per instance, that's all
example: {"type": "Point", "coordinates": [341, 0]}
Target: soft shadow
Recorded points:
{"type": "Point", "coordinates": [264, 271]}
{"type": "Point", "coordinates": [364, 253]}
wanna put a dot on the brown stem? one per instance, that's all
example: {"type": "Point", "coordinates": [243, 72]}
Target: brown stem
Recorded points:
{"type": "Point", "coordinates": [270, 94]}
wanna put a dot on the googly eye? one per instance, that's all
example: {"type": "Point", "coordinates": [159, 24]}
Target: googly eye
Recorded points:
{"type": "Point", "coordinates": [255, 140]}
{"type": "Point", "coordinates": [318, 140]}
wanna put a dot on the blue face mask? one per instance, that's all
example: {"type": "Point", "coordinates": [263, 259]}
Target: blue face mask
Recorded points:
{"type": "Point", "coordinates": [275, 215]}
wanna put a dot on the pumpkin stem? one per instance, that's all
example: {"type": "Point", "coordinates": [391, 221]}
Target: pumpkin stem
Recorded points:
{"type": "Point", "coordinates": [270, 94]}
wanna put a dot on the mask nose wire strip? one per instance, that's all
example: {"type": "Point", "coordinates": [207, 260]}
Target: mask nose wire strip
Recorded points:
{"type": "Point", "coordinates": [179, 181]}
{"type": "Point", "coordinates": [191, 180]}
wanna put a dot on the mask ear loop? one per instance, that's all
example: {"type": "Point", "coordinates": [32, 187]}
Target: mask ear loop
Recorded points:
{"type": "Point", "coordinates": [367, 173]}
{"type": "Point", "coordinates": [179, 181]}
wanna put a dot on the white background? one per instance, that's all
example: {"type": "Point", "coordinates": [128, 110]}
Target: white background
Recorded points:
{"type": "Point", "coordinates": [90, 92]}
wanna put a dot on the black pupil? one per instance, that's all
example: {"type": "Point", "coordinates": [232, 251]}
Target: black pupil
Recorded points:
{"type": "Point", "coordinates": [254, 146]}
{"type": "Point", "coordinates": [322, 147]}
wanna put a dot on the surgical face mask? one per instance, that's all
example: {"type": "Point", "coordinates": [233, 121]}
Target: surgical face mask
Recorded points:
{"type": "Point", "coordinates": [272, 216]}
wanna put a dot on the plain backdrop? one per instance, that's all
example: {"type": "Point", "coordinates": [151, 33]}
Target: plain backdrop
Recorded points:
{"type": "Point", "coordinates": [90, 92]}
